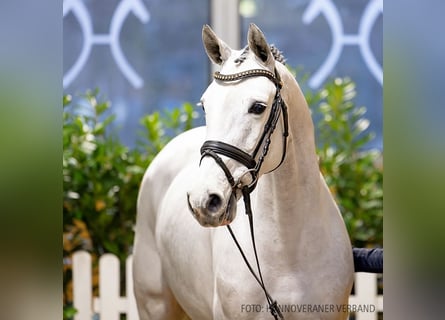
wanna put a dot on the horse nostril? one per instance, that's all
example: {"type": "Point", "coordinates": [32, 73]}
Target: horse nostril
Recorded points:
{"type": "Point", "coordinates": [214, 202]}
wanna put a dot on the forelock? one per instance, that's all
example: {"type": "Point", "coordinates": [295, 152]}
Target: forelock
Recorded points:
{"type": "Point", "coordinates": [277, 54]}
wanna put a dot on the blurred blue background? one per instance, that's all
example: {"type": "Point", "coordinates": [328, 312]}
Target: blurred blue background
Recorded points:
{"type": "Point", "coordinates": [147, 55]}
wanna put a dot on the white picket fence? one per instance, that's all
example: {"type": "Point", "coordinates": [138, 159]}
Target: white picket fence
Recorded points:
{"type": "Point", "coordinates": [110, 304]}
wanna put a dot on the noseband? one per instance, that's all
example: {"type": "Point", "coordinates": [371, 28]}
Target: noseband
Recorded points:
{"type": "Point", "coordinates": [215, 148]}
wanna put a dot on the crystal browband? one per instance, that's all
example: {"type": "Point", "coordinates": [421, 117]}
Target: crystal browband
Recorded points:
{"type": "Point", "coordinates": [246, 74]}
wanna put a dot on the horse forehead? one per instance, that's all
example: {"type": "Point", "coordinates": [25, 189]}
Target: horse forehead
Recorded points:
{"type": "Point", "coordinates": [234, 64]}
{"type": "Point", "coordinates": [259, 88]}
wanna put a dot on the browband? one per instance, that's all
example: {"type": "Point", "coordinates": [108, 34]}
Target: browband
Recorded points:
{"type": "Point", "coordinates": [247, 74]}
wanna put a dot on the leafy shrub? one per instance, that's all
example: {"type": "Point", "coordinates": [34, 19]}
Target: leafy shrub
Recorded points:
{"type": "Point", "coordinates": [353, 174]}
{"type": "Point", "coordinates": [101, 177]}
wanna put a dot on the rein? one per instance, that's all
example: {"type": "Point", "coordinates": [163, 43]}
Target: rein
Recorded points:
{"type": "Point", "coordinates": [215, 148]}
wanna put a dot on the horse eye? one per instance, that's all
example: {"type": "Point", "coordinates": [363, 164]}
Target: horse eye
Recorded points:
{"type": "Point", "coordinates": [257, 108]}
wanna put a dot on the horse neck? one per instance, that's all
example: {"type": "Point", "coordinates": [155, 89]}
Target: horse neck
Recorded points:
{"type": "Point", "coordinates": [289, 198]}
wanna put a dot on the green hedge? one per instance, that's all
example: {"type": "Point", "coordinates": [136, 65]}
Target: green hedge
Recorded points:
{"type": "Point", "coordinates": [101, 176]}
{"type": "Point", "coordinates": [354, 175]}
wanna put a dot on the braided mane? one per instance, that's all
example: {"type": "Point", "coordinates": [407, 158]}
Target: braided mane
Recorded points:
{"type": "Point", "coordinates": [277, 54]}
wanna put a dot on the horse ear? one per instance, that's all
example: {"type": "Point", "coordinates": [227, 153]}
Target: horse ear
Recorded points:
{"type": "Point", "coordinates": [217, 50]}
{"type": "Point", "coordinates": [259, 46]}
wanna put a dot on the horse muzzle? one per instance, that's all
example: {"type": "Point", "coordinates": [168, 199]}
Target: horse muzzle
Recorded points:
{"type": "Point", "coordinates": [211, 209]}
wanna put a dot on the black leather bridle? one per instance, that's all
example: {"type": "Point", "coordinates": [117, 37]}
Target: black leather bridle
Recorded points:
{"type": "Point", "coordinates": [216, 148]}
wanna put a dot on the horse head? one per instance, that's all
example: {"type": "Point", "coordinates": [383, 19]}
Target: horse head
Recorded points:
{"type": "Point", "coordinates": [242, 107]}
